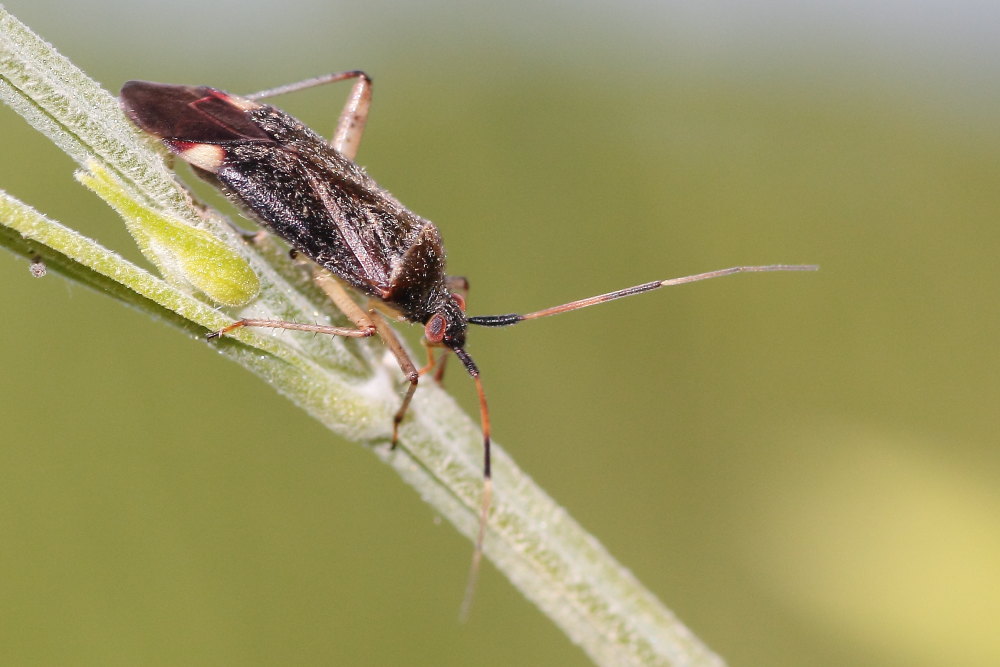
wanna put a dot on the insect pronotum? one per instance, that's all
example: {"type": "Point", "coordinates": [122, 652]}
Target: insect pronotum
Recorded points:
{"type": "Point", "coordinates": [310, 192]}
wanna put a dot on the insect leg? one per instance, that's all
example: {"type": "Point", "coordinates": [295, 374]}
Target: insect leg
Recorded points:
{"type": "Point", "coordinates": [439, 372]}
{"type": "Point", "coordinates": [364, 325]}
{"type": "Point", "coordinates": [374, 322]}
{"type": "Point", "coordinates": [342, 300]}
{"type": "Point", "coordinates": [351, 123]}
{"type": "Point", "coordinates": [295, 326]}
{"type": "Point", "coordinates": [458, 284]}
{"type": "Point", "coordinates": [431, 361]}
{"type": "Point", "coordinates": [387, 334]}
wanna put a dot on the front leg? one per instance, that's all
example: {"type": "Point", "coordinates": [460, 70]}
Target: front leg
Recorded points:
{"type": "Point", "coordinates": [410, 372]}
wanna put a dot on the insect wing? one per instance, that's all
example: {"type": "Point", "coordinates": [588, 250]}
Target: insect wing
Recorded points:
{"type": "Point", "coordinates": [196, 114]}
{"type": "Point", "coordinates": [325, 207]}
{"type": "Point", "coordinates": [287, 178]}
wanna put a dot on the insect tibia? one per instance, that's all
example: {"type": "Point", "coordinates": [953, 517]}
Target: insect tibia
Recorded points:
{"type": "Point", "coordinates": [348, 332]}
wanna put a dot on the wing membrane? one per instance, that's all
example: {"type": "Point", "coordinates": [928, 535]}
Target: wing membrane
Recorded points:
{"type": "Point", "coordinates": [326, 207]}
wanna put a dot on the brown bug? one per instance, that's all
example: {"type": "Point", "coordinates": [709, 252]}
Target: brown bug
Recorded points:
{"type": "Point", "coordinates": [310, 192]}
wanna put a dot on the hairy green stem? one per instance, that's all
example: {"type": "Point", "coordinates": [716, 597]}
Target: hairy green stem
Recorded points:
{"type": "Point", "coordinates": [351, 388]}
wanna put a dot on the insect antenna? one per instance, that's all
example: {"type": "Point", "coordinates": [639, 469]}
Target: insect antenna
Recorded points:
{"type": "Point", "coordinates": [487, 498]}
{"type": "Point", "coordinates": [513, 318]}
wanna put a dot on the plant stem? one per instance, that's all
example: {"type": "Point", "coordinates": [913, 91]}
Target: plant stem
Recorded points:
{"type": "Point", "coordinates": [543, 551]}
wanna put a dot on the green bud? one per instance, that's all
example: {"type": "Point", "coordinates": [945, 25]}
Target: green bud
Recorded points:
{"type": "Point", "coordinates": [183, 253]}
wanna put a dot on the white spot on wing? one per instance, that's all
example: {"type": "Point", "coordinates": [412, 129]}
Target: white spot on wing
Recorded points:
{"type": "Point", "coordinates": [207, 156]}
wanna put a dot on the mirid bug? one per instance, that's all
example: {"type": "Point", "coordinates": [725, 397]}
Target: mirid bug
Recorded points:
{"type": "Point", "coordinates": [311, 193]}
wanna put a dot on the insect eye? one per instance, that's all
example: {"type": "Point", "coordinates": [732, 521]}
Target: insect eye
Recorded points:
{"type": "Point", "coordinates": [435, 328]}
{"type": "Point", "coordinates": [460, 300]}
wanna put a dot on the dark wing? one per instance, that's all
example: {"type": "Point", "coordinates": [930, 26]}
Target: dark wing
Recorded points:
{"type": "Point", "coordinates": [288, 178]}
{"type": "Point", "coordinates": [196, 114]}
{"type": "Point", "coordinates": [325, 206]}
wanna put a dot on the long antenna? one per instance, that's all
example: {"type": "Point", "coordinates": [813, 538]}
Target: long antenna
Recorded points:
{"type": "Point", "coordinates": [484, 413]}
{"type": "Point", "coordinates": [514, 318]}
{"type": "Point", "coordinates": [487, 498]}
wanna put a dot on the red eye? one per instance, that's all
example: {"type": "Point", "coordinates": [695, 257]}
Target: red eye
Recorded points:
{"type": "Point", "coordinates": [460, 300]}
{"type": "Point", "coordinates": [434, 329]}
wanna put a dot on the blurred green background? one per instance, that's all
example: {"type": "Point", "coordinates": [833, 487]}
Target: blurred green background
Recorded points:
{"type": "Point", "coordinates": [802, 466]}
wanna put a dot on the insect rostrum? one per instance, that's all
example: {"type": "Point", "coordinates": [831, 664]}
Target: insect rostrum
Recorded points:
{"type": "Point", "coordinates": [312, 194]}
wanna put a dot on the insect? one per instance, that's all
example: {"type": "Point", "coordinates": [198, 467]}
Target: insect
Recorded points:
{"type": "Point", "coordinates": [310, 192]}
